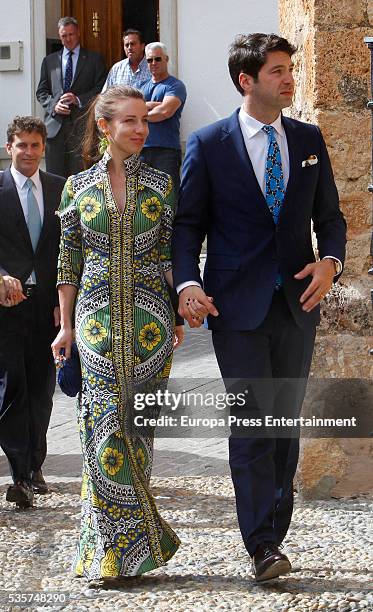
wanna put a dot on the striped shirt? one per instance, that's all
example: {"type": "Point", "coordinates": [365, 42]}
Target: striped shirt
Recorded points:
{"type": "Point", "coordinates": [122, 74]}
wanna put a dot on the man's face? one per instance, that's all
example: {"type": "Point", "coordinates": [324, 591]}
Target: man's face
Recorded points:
{"type": "Point", "coordinates": [69, 36]}
{"type": "Point", "coordinates": [157, 62]}
{"type": "Point", "coordinates": [26, 151]}
{"type": "Point", "coordinates": [133, 48]}
{"type": "Point", "coordinates": [274, 87]}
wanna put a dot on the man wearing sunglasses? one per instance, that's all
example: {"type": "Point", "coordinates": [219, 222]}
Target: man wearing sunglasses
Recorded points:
{"type": "Point", "coordinates": [165, 98]}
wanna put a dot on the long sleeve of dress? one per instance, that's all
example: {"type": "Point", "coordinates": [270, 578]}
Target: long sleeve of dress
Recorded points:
{"type": "Point", "coordinates": [70, 259]}
{"type": "Point", "coordinates": [165, 245]}
{"type": "Point", "coordinates": [166, 227]}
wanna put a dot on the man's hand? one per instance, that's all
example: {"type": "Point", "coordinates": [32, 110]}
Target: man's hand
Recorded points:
{"type": "Point", "coordinates": [322, 273]}
{"type": "Point", "coordinates": [11, 292]}
{"type": "Point", "coordinates": [61, 108]}
{"type": "Point", "coordinates": [195, 305]}
{"type": "Point", "coordinates": [3, 291]}
{"type": "Point", "coordinates": [152, 104]}
{"type": "Point", "coordinates": [69, 98]}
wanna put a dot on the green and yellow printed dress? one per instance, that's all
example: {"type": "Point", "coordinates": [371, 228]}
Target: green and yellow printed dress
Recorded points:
{"type": "Point", "coordinates": [124, 331]}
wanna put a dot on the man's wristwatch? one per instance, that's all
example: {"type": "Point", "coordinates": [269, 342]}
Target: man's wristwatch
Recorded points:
{"type": "Point", "coordinates": [337, 265]}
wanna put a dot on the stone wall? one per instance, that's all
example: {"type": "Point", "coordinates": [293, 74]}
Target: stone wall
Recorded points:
{"type": "Point", "coordinates": [332, 70]}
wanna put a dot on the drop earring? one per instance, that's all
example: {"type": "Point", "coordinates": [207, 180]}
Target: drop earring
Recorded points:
{"type": "Point", "coordinates": [103, 144]}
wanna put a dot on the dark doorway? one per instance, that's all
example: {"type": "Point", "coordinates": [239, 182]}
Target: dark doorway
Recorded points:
{"type": "Point", "coordinates": [102, 23]}
{"type": "Point", "coordinates": [142, 15]}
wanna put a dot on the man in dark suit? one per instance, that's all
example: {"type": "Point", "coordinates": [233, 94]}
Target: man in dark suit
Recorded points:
{"type": "Point", "coordinates": [29, 241]}
{"type": "Point", "coordinates": [253, 183]}
{"type": "Point", "coordinates": [69, 79]}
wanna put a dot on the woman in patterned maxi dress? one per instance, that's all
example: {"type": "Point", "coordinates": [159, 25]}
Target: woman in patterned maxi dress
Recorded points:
{"type": "Point", "coordinates": [116, 220]}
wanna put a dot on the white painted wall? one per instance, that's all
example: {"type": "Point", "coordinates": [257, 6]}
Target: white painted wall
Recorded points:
{"type": "Point", "coordinates": [205, 31]}
{"type": "Point", "coordinates": [21, 20]}
{"type": "Point", "coordinates": [197, 32]}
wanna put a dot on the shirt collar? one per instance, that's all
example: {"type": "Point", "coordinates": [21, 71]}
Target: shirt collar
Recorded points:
{"type": "Point", "coordinates": [253, 126]}
{"type": "Point", "coordinates": [20, 179]}
{"type": "Point", "coordinates": [66, 52]}
{"type": "Point", "coordinates": [142, 65]}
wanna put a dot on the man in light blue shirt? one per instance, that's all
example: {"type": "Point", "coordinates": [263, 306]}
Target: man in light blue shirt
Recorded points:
{"type": "Point", "coordinates": [133, 70]}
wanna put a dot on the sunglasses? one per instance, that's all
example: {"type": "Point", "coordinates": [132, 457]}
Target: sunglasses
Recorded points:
{"type": "Point", "coordinates": [150, 60]}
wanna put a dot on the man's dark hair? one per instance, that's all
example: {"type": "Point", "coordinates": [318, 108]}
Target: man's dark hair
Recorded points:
{"type": "Point", "coordinates": [65, 21]}
{"type": "Point", "coordinates": [248, 53]}
{"type": "Point", "coordinates": [132, 31]}
{"type": "Point", "coordinates": [25, 124]}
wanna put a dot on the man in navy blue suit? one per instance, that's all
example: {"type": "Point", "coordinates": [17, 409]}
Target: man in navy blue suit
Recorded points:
{"type": "Point", "coordinates": [253, 183]}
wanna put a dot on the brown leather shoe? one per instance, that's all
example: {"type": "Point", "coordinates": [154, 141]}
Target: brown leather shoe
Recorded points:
{"type": "Point", "coordinates": [38, 483]}
{"type": "Point", "coordinates": [21, 493]}
{"type": "Point", "coordinates": [269, 562]}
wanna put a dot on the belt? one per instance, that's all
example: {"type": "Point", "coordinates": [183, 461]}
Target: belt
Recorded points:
{"type": "Point", "coordinates": [30, 290]}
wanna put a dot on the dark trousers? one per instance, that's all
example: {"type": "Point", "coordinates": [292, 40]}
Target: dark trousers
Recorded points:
{"type": "Point", "coordinates": [26, 357]}
{"type": "Point", "coordinates": [63, 152]}
{"type": "Point", "coordinates": [165, 159]}
{"type": "Point", "coordinates": [263, 468]}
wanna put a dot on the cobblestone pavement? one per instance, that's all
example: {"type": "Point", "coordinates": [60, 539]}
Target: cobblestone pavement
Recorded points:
{"type": "Point", "coordinates": [329, 541]}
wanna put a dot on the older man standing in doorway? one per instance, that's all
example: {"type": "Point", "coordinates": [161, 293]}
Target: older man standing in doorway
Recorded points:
{"type": "Point", "coordinates": [69, 79]}
{"type": "Point", "coordinates": [133, 70]}
{"type": "Point", "coordinates": [165, 98]}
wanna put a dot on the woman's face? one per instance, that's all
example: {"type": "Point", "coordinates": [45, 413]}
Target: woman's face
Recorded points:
{"type": "Point", "coordinates": [128, 129]}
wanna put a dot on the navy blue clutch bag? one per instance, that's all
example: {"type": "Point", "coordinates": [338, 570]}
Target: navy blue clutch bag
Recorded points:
{"type": "Point", "coordinates": [69, 377]}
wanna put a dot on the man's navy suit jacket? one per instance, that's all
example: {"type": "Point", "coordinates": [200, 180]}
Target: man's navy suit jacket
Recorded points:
{"type": "Point", "coordinates": [17, 256]}
{"type": "Point", "coordinates": [220, 197]}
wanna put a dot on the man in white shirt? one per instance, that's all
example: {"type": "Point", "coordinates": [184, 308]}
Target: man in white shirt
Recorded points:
{"type": "Point", "coordinates": [69, 79]}
{"type": "Point", "coordinates": [29, 242]}
{"type": "Point", "coordinates": [253, 183]}
{"type": "Point", "coordinates": [133, 70]}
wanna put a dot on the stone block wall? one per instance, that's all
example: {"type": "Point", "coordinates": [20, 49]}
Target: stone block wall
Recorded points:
{"type": "Point", "coordinates": [332, 71]}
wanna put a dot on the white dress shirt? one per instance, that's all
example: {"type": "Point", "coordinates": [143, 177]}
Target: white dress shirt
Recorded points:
{"type": "Point", "coordinates": [37, 189]}
{"type": "Point", "coordinates": [256, 142]}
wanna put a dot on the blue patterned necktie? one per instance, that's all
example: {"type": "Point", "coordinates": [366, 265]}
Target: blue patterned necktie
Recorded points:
{"type": "Point", "coordinates": [274, 176]}
{"type": "Point", "coordinates": [274, 181]}
{"type": "Point", "coordinates": [33, 215]}
{"type": "Point", "coordinates": [68, 73]}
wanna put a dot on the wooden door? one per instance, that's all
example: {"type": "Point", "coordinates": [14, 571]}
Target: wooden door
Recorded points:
{"type": "Point", "coordinates": [100, 23]}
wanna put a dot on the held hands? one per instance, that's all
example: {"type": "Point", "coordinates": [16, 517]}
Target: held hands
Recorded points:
{"type": "Point", "coordinates": [195, 305]}
{"type": "Point", "coordinates": [322, 273]}
{"type": "Point", "coordinates": [11, 292]}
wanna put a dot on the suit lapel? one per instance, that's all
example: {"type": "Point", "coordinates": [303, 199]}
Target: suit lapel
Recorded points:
{"type": "Point", "coordinates": [232, 134]}
{"type": "Point", "coordinates": [79, 66]}
{"type": "Point", "coordinates": [12, 207]}
{"type": "Point", "coordinates": [58, 68]}
{"type": "Point", "coordinates": [48, 212]}
{"type": "Point", "coordinates": [295, 158]}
